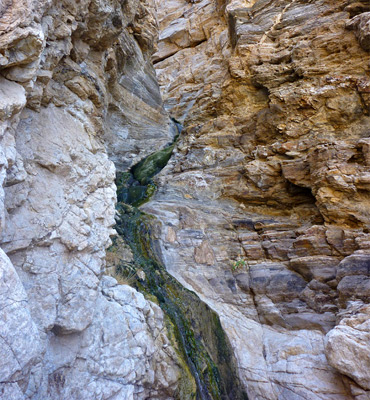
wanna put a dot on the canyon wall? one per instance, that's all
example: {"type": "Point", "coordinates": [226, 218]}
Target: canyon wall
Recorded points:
{"type": "Point", "coordinates": [76, 78]}
{"type": "Point", "coordinates": [263, 209]}
{"type": "Point", "coordinates": [265, 205]}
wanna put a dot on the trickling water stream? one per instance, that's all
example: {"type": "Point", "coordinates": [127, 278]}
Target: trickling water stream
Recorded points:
{"type": "Point", "coordinates": [199, 336]}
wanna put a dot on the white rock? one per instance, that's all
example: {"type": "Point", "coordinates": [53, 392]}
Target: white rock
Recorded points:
{"type": "Point", "coordinates": [348, 347]}
{"type": "Point", "coordinates": [20, 343]}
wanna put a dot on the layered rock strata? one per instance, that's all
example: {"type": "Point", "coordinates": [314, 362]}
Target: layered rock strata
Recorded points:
{"type": "Point", "coordinates": [75, 75]}
{"type": "Point", "coordinates": [265, 205]}
{"type": "Point", "coordinates": [264, 208]}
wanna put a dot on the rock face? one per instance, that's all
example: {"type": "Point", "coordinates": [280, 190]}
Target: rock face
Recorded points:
{"type": "Point", "coordinates": [73, 77]}
{"type": "Point", "coordinates": [347, 345]}
{"type": "Point", "coordinates": [265, 205]}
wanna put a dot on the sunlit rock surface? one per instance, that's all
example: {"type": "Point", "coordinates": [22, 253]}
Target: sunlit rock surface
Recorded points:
{"type": "Point", "coordinates": [273, 169]}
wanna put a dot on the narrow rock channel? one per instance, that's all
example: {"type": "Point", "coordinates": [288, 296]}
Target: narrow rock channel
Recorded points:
{"type": "Point", "coordinates": [209, 370]}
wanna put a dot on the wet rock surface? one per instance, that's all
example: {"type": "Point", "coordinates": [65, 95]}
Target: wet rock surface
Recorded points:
{"type": "Point", "coordinates": [209, 368]}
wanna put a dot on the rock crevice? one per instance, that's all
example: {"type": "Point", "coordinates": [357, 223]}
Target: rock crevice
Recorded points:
{"type": "Point", "coordinates": [264, 205]}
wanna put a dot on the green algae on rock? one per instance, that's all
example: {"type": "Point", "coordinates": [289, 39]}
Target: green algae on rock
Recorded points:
{"type": "Point", "coordinates": [207, 362]}
{"type": "Point", "coordinates": [130, 191]}
{"type": "Point", "coordinates": [197, 329]}
{"type": "Point", "coordinates": [150, 166]}
{"type": "Point", "coordinates": [136, 186]}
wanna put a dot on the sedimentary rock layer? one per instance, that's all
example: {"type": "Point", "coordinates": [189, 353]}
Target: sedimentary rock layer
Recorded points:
{"type": "Point", "coordinates": [265, 205]}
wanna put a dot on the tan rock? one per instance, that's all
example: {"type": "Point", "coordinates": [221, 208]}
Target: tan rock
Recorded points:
{"type": "Point", "coordinates": [204, 254]}
{"type": "Point", "coordinates": [361, 25]}
{"type": "Point", "coordinates": [276, 112]}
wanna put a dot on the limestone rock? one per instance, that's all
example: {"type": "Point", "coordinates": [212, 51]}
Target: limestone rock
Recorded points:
{"type": "Point", "coordinates": [20, 342]}
{"type": "Point", "coordinates": [272, 169]}
{"type": "Point", "coordinates": [347, 346]}
{"type": "Point", "coordinates": [73, 77]}
{"type": "Point", "coordinates": [123, 353]}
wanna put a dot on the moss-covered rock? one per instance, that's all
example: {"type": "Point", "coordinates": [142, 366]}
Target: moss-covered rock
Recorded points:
{"type": "Point", "coordinates": [151, 165]}
{"type": "Point", "coordinates": [200, 339]}
{"type": "Point", "coordinates": [195, 331]}
{"type": "Point", "coordinates": [130, 191]}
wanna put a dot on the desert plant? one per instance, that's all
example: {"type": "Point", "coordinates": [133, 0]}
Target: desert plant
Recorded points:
{"type": "Point", "coordinates": [239, 263]}
{"type": "Point", "coordinates": [123, 276]}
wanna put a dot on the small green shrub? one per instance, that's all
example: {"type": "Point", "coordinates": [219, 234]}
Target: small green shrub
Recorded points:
{"type": "Point", "coordinates": [239, 263]}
